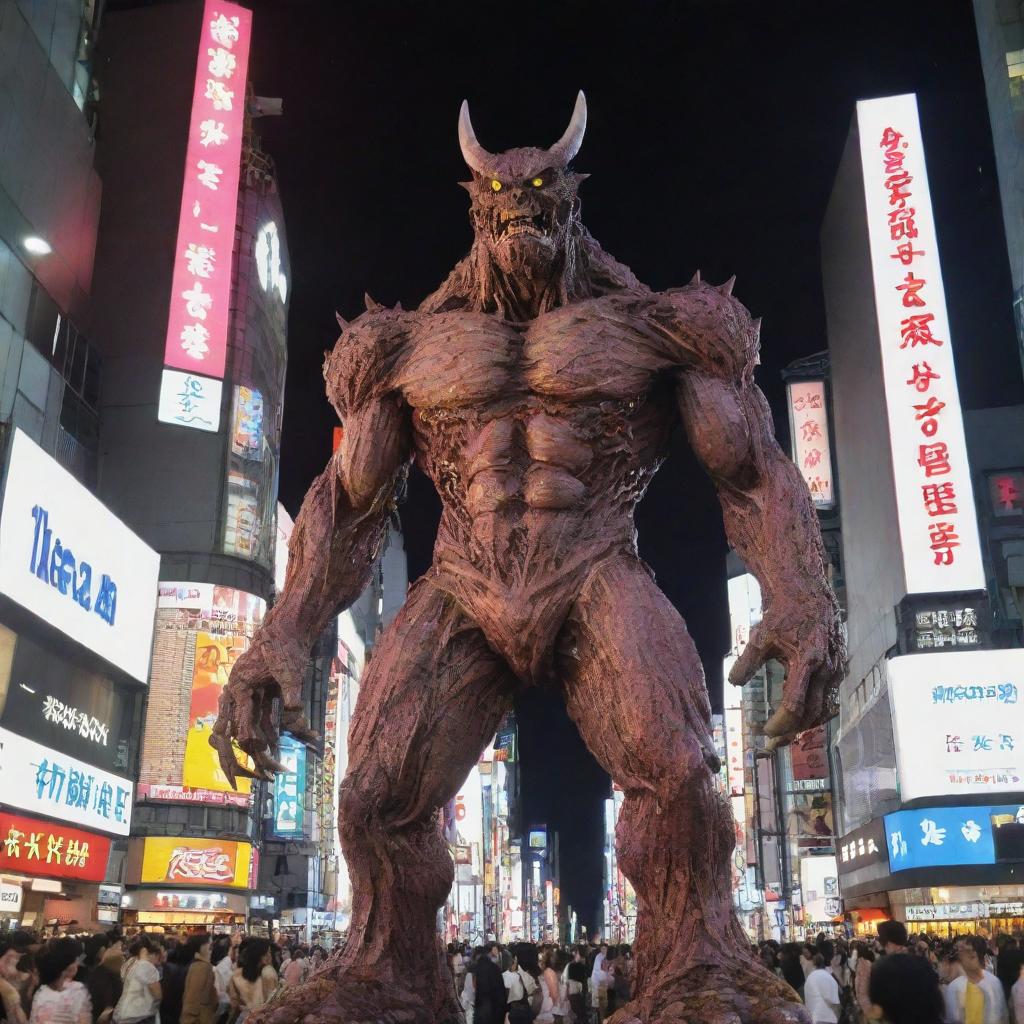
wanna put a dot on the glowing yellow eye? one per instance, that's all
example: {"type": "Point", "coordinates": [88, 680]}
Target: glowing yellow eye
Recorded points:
{"type": "Point", "coordinates": [495, 185]}
{"type": "Point", "coordinates": [537, 182]}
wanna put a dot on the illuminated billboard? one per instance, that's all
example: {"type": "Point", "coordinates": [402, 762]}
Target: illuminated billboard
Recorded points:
{"type": "Point", "coordinates": [201, 630]}
{"type": "Point", "coordinates": [197, 327]}
{"type": "Point", "coordinates": [934, 497]}
{"type": "Point", "coordinates": [290, 789]}
{"type": "Point", "coordinates": [216, 654]}
{"type": "Point", "coordinates": [808, 430]}
{"type": "Point", "coordinates": [945, 836]}
{"type": "Point", "coordinates": [51, 850]}
{"type": "Point", "coordinates": [957, 722]}
{"type": "Point", "coordinates": [184, 862]}
{"type": "Point", "coordinates": [45, 781]}
{"type": "Point", "coordinates": [68, 559]}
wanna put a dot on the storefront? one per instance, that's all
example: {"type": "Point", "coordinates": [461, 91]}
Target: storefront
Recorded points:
{"type": "Point", "coordinates": [959, 910]}
{"type": "Point", "coordinates": [187, 883]}
{"type": "Point", "coordinates": [49, 873]}
{"type": "Point", "coordinates": [77, 597]}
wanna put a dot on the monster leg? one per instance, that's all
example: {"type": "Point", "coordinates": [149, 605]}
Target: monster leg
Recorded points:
{"type": "Point", "coordinates": [432, 697]}
{"type": "Point", "coordinates": [635, 688]}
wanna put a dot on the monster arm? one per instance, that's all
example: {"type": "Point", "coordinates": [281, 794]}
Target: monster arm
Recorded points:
{"type": "Point", "coordinates": [771, 522]}
{"type": "Point", "coordinates": [337, 537]}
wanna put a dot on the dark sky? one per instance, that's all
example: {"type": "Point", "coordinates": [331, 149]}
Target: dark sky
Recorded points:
{"type": "Point", "coordinates": [715, 131]}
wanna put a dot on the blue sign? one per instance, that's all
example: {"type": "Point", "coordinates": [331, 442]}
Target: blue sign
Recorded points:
{"type": "Point", "coordinates": [290, 789]}
{"type": "Point", "coordinates": [944, 836]}
{"type": "Point", "coordinates": [56, 565]}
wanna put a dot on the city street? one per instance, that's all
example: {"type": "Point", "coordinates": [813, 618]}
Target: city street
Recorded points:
{"type": "Point", "coordinates": [594, 592]}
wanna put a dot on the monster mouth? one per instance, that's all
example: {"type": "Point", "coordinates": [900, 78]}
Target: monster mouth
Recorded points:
{"type": "Point", "coordinates": [514, 225]}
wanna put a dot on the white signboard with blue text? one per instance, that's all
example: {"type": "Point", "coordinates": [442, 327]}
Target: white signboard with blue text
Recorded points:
{"type": "Point", "coordinates": [66, 557]}
{"type": "Point", "coordinates": [958, 721]}
{"type": "Point", "coordinates": [43, 781]}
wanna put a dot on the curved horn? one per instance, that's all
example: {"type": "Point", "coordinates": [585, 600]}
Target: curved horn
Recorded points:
{"type": "Point", "coordinates": [569, 144]}
{"type": "Point", "coordinates": [472, 152]}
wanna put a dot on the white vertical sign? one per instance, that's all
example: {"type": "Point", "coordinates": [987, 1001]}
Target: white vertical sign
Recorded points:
{"type": "Point", "coordinates": [808, 428]}
{"type": "Point", "coordinates": [934, 498]}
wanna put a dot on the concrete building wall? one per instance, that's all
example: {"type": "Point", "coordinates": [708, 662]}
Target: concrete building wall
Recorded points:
{"type": "Point", "coordinates": [871, 544]}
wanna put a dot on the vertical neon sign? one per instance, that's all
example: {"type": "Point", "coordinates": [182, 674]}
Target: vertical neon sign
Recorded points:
{"type": "Point", "coordinates": [197, 327]}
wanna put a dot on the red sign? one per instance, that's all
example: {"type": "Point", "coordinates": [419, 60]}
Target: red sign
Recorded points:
{"type": "Point", "coordinates": [190, 795]}
{"type": "Point", "coordinates": [197, 328]}
{"type": "Point", "coordinates": [29, 846]}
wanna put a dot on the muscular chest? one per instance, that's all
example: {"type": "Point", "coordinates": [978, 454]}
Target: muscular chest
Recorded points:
{"type": "Point", "coordinates": [573, 355]}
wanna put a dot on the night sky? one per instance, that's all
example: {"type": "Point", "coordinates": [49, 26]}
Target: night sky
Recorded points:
{"type": "Point", "coordinates": [714, 134]}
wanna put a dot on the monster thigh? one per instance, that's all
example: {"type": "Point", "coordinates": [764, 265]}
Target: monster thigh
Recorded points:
{"type": "Point", "coordinates": [635, 688]}
{"type": "Point", "coordinates": [431, 699]}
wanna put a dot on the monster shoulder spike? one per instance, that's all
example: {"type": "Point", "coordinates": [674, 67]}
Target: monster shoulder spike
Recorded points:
{"type": "Point", "coordinates": [696, 278]}
{"type": "Point", "coordinates": [372, 306]}
{"type": "Point", "coordinates": [726, 287]}
{"type": "Point", "coordinates": [342, 322]}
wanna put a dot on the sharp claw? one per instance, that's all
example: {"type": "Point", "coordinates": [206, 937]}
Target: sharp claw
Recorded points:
{"type": "Point", "coordinates": [782, 723]}
{"type": "Point", "coordinates": [299, 728]}
{"type": "Point", "coordinates": [265, 761]}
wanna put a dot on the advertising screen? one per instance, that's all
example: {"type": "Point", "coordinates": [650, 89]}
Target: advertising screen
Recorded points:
{"type": "Point", "coordinates": [207, 862]}
{"type": "Point", "coordinates": [48, 850]}
{"type": "Point", "coordinates": [197, 329]}
{"type": "Point", "coordinates": [947, 836]}
{"type": "Point", "coordinates": [934, 495]}
{"type": "Point", "coordinates": [45, 781]}
{"type": "Point", "coordinates": [957, 722]}
{"type": "Point", "coordinates": [215, 656]}
{"type": "Point", "coordinates": [538, 839]}
{"type": "Point", "coordinates": [67, 707]}
{"type": "Point", "coordinates": [290, 789]}
{"type": "Point", "coordinates": [66, 557]}
{"type": "Point", "coordinates": [808, 429]}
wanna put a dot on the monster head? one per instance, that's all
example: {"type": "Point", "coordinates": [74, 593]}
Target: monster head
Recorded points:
{"type": "Point", "coordinates": [524, 201]}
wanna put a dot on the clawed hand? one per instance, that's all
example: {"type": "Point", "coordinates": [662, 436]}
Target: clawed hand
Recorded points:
{"type": "Point", "coordinates": [266, 675]}
{"type": "Point", "coordinates": [805, 634]}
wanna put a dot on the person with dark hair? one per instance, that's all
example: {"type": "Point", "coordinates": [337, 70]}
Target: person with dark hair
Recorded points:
{"type": "Point", "coordinates": [892, 936]}
{"type": "Point", "coordinates": [95, 945]}
{"type": "Point", "coordinates": [821, 993]}
{"type": "Point", "coordinates": [791, 966]}
{"type": "Point", "coordinates": [490, 1002]}
{"type": "Point", "coordinates": [179, 959]}
{"type": "Point", "coordinates": [253, 982]}
{"type": "Point", "coordinates": [60, 999]}
{"type": "Point", "coordinates": [976, 997]}
{"type": "Point", "coordinates": [904, 990]}
{"type": "Point", "coordinates": [297, 969]}
{"type": "Point", "coordinates": [140, 998]}
{"type": "Point", "coordinates": [104, 984]}
{"type": "Point", "coordinates": [199, 1001]}
{"type": "Point", "coordinates": [222, 959]}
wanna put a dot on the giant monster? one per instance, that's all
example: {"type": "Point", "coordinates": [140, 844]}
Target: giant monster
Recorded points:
{"type": "Point", "coordinates": [538, 388]}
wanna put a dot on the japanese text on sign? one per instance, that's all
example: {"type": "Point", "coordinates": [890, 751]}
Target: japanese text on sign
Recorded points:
{"type": "Point", "coordinates": [36, 778]}
{"type": "Point", "coordinates": [34, 847]}
{"type": "Point", "coordinates": [934, 497]}
{"type": "Point", "coordinates": [808, 428]}
{"type": "Point", "coordinates": [200, 291]}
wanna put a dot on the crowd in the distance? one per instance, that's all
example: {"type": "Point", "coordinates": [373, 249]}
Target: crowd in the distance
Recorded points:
{"type": "Point", "coordinates": [897, 978]}
{"type": "Point", "coordinates": [547, 984]}
{"type": "Point", "coordinates": [145, 979]}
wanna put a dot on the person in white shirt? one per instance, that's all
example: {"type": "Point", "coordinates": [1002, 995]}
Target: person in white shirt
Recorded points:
{"type": "Point", "coordinates": [821, 994]}
{"type": "Point", "coordinates": [520, 987]}
{"type": "Point", "coordinates": [600, 981]}
{"type": "Point", "coordinates": [976, 997]}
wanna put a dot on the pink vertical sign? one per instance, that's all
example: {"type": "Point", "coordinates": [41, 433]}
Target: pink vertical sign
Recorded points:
{"type": "Point", "coordinates": [197, 328]}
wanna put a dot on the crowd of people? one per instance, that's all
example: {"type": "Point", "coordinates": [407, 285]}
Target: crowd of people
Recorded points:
{"type": "Point", "coordinates": [109, 978]}
{"type": "Point", "coordinates": [548, 984]}
{"type": "Point", "coordinates": [897, 978]}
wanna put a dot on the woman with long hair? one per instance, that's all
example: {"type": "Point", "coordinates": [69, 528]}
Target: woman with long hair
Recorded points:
{"type": "Point", "coordinates": [253, 982]}
{"type": "Point", "coordinates": [60, 999]}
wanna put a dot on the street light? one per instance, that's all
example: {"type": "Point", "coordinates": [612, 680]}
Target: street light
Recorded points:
{"type": "Point", "coordinates": [36, 245]}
